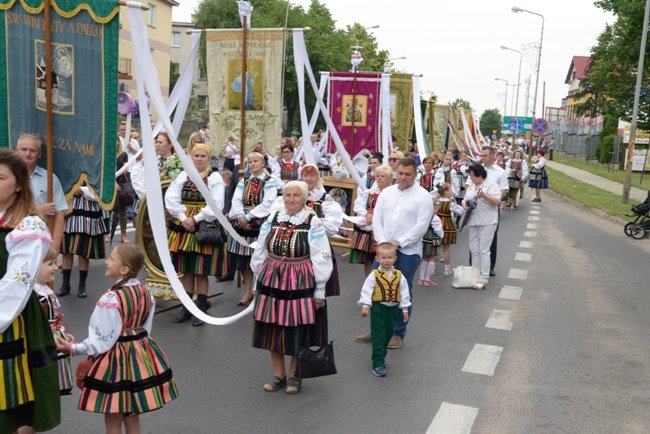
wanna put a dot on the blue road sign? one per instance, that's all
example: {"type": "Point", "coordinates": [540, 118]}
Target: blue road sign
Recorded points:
{"type": "Point", "coordinates": [540, 126]}
{"type": "Point", "coordinates": [494, 137]}
{"type": "Point", "coordinates": [515, 125]}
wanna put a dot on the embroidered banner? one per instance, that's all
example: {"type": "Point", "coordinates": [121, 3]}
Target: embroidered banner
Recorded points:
{"type": "Point", "coordinates": [263, 83]}
{"type": "Point", "coordinates": [84, 86]}
{"type": "Point", "coordinates": [401, 108]}
{"type": "Point", "coordinates": [354, 109]}
{"type": "Point", "coordinates": [440, 126]}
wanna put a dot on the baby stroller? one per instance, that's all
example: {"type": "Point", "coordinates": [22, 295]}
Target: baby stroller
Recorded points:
{"type": "Point", "coordinates": [641, 224]}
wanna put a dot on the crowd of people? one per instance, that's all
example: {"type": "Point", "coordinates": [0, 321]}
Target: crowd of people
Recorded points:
{"type": "Point", "coordinates": [407, 216]}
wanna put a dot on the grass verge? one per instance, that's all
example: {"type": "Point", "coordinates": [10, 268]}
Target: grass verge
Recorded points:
{"type": "Point", "coordinates": [588, 194]}
{"type": "Point", "coordinates": [617, 175]}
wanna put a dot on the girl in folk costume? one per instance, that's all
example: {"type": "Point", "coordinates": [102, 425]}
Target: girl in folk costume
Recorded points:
{"type": "Point", "coordinates": [517, 173]}
{"type": "Point", "coordinates": [369, 178]}
{"type": "Point", "coordinates": [188, 208]}
{"type": "Point", "coordinates": [289, 169]}
{"type": "Point", "coordinates": [251, 205]}
{"type": "Point", "coordinates": [83, 235]}
{"type": "Point", "coordinates": [460, 167]}
{"type": "Point", "coordinates": [447, 207]}
{"type": "Point", "coordinates": [431, 248]}
{"type": "Point", "coordinates": [29, 395]}
{"type": "Point", "coordinates": [427, 179]}
{"type": "Point", "coordinates": [130, 374]}
{"type": "Point", "coordinates": [51, 307]}
{"type": "Point", "coordinates": [363, 244]}
{"type": "Point", "coordinates": [447, 174]}
{"type": "Point", "coordinates": [292, 263]}
{"type": "Point", "coordinates": [329, 212]}
{"type": "Point", "coordinates": [538, 177]}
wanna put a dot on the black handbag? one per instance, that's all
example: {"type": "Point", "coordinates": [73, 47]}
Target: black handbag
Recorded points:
{"type": "Point", "coordinates": [126, 195]}
{"type": "Point", "coordinates": [316, 363]}
{"type": "Point", "coordinates": [211, 233]}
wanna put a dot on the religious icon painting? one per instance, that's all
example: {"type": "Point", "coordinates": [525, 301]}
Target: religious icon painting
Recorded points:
{"type": "Point", "coordinates": [254, 83]}
{"type": "Point", "coordinates": [357, 114]}
{"type": "Point", "coordinates": [63, 82]}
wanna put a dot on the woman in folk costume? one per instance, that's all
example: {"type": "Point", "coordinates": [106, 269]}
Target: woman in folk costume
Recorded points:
{"type": "Point", "coordinates": [130, 374]}
{"type": "Point", "coordinates": [460, 167]}
{"type": "Point", "coordinates": [517, 172]}
{"type": "Point", "coordinates": [289, 169]}
{"type": "Point", "coordinates": [538, 177]}
{"type": "Point", "coordinates": [363, 246]}
{"type": "Point", "coordinates": [164, 151]}
{"type": "Point", "coordinates": [83, 235]}
{"type": "Point", "coordinates": [427, 179]}
{"type": "Point", "coordinates": [251, 205]}
{"type": "Point", "coordinates": [446, 173]}
{"type": "Point", "coordinates": [369, 178]}
{"type": "Point", "coordinates": [292, 262]}
{"type": "Point", "coordinates": [30, 377]}
{"type": "Point", "coordinates": [188, 209]}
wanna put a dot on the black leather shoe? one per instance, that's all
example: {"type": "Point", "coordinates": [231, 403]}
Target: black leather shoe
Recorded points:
{"type": "Point", "coordinates": [226, 278]}
{"type": "Point", "coordinates": [203, 307]}
{"type": "Point", "coordinates": [182, 316]}
{"type": "Point", "coordinates": [82, 292]}
{"type": "Point", "coordinates": [65, 290]}
{"type": "Point", "coordinates": [492, 273]}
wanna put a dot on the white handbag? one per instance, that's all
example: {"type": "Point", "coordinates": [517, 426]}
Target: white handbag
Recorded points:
{"type": "Point", "coordinates": [465, 276]}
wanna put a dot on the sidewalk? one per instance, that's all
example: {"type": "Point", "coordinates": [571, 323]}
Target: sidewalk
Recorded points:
{"type": "Point", "coordinates": [598, 181]}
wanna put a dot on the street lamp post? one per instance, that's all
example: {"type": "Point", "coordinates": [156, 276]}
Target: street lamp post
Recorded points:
{"type": "Point", "coordinates": [505, 103]}
{"type": "Point", "coordinates": [515, 9]}
{"type": "Point", "coordinates": [518, 76]}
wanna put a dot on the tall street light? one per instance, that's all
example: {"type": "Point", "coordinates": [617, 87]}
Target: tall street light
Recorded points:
{"type": "Point", "coordinates": [518, 76]}
{"type": "Point", "coordinates": [505, 103]}
{"type": "Point", "coordinates": [515, 10]}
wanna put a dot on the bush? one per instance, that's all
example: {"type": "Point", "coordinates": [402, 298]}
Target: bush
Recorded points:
{"type": "Point", "coordinates": [604, 148]}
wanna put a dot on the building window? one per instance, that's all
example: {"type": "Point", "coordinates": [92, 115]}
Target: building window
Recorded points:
{"type": "Point", "coordinates": [203, 102]}
{"type": "Point", "coordinates": [202, 74]}
{"type": "Point", "coordinates": [176, 39]}
{"type": "Point", "coordinates": [151, 16]}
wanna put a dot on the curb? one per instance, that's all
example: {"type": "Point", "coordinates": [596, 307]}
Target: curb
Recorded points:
{"type": "Point", "coordinates": [583, 207]}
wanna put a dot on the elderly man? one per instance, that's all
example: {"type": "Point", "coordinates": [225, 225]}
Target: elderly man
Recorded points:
{"type": "Point", "coordinates": [29, 148]}
{"type": "Point", "coordinates": [402, 216]}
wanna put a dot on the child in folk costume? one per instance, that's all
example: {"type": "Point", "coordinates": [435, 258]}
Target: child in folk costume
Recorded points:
{"type": "Point", "coordinates": [447, 207]}
{"type": "Point", "coordinates": [517, 173]}
{"type": "Point", "coordinates": [51, 307]}
{"type": "Point", "coordinates": [384, 292]}
{"type": "Point", "coordinates": [460, 167]}
{"type": "Point", "coordinates": [447, 174]}
{"type": "Point", "coordinates": [130, 374]}
{"type": "Point", "coordinates": [431, 248]}
{"type": "Point", "coordinates": [427, 179]}
{"type": "Point", "coordinates": [538, 177]}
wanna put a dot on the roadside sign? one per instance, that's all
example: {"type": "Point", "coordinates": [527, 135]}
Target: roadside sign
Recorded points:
{"type": "Point", "coordinates": [526, 123]}
{"type": "Point", "coordinates": [540, 126]}
{"type": "Point", "coordinates": [494, 137]}
{"type": "Point", "coordinates": [515, 125]}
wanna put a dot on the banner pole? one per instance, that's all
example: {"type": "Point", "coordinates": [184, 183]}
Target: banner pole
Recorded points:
{"type": "Point", "coordinates": [244, 80]}
{"type": "Point", "coordinates": [48, 107]}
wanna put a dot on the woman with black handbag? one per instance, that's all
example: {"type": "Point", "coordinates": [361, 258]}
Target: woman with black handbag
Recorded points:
{"type": "Point", "coordinates": [189, 210]}
{"type": "Point", "coordinates": [292, 262]}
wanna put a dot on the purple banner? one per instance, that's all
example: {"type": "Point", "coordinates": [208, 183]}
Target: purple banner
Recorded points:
{"type": "Point", "coordinates": [354, 109]}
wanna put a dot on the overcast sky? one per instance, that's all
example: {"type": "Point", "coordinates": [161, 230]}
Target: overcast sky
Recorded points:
{"type": "Point", "coordinates": [455, 45]}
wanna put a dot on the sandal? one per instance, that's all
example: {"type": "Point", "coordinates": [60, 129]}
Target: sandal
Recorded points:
{"type": "Point", "coordinates": [420, 282]}
{"type": "Point", "coordinates": [276, 383]}
{"type": "Point", "coordinates": [480, 286]}
{"type": "Point", "coordinates": [430, 283]}
{"type": "Point", "coordinates": [293, 385]}
{"type": "Point", "coordinates": [448, 272]}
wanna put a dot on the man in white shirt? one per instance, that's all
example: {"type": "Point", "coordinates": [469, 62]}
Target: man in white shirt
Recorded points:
{"type": "Point", "coordinates": [402, 216]}
{"type": "Point", "coordinates": [129, 145]}
{"type": "Point", "coordinates": [500, 176]}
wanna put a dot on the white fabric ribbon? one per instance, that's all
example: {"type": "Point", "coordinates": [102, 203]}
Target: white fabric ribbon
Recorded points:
{"type": "Point", "coordinates": [245, 10]}
{"type": "Point", "coordinates": [417, 115]}
{"type": "Point", "coordinates": [310, 157]}
{"type": "Point", "coordinates": [468, 133]}
{"type": "Point", "coordinates": [301, 58]}
{"type": "Point", "coordinates": [146, 75]}
{"type": "Point", "coordinates": [386, 132]}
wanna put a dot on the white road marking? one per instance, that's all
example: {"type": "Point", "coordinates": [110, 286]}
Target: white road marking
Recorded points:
{"type": "Point", "coordinates": [531, 226]}
{"type": "Point", "coordinates": [534, 211]}
{"type": "Point", "coordinates": [499, 319]}
{"type": "Point", "coordinates": [530, 234]}
{"type": "Point", "coordinates": [511, 292]}
{"type": "Point", "coordinates": [483, 359]}
{"type": "Point", "coordinates": [518, 273]}
{"type": "Point", "coordinates": [533, 218]}
{"type": "Point", "coordinates": [534, 207]}
{"type": "Point", "coordinates": [453, 419]}
{"type": "Point", "coordinates": [526, 257]}
{"type": "Point", "coordinates": [526, 244]}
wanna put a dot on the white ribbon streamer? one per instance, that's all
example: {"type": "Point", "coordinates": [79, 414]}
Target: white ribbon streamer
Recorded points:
{"type": "Point", "coordinates": [386, 132]}
{"type": "Point", "coordinates": [417, 115]}
{"type": "Point", "coordinates": [146, 75]}
{"type": "Point", "coordinates": [324, 78]}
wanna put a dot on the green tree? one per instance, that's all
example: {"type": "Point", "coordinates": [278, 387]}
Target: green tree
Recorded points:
{"type": "Point", "coordinates": [491, 120]}
{"type": "Point", "coordinates": [460, 103]}
{"type": "Point", "coordinates": [611, 77]}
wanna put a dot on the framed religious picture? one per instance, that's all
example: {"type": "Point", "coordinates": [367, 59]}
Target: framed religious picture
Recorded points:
{"type": "Point", "coordinates": [343, 191]}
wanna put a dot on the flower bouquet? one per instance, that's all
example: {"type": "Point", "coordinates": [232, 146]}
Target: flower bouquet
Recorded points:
{"type": "Point", "coordinates": [172, 167]}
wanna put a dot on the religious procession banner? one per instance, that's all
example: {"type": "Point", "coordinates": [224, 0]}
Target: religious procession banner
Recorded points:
{"type": "Point", "coordinates": [262, 81]}
{"type": "Point", "coordinates": [401, 108]}
{"type": "Point", "coordinates": [84, 86]}
{"type": "Point", "coordinates": [354, 109]}
{"type": "Point", "coordinates": [440, 126]}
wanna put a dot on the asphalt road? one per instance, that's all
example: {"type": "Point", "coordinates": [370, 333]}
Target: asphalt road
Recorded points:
{"type": "Point", "coordinates": [557, 343]}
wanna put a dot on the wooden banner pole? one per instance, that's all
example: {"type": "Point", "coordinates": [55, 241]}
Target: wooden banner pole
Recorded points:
{"type": "Point", "coordinates": [242, 133]}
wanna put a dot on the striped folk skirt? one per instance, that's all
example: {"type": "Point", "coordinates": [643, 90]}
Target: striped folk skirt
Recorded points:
{"type": "Point", "coordinates": [133, 377]}
{"type": "Point", "coordinates": [431, 243]}
{"type": "Point", "coordinates": [239, 257]}
{"type": "Point", "coordinates": [84, 245]}
{"type": "Point", "coordinates": [190, 256]}
{"type": "Point", "coordinates": [65, 367]}
{"type": "Point", "coordinates": [363, 247]}
{"type": "Point", "coordinates": [449, 227]}
{"type": "Point", "coordinates": [538, 178]}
